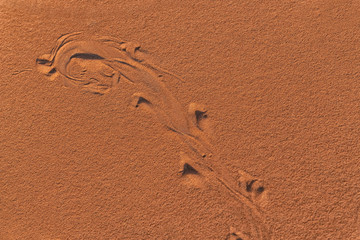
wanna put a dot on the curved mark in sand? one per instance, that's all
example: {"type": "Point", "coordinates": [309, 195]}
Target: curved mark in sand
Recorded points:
{"type": "Point", "coordinates": [101, 64]}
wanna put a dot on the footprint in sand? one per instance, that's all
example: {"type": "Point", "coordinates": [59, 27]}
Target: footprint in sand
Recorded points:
{"type": "Point", "coordinates": [236, 235]}
{"type": "Point", "coordinates": [253, 188]}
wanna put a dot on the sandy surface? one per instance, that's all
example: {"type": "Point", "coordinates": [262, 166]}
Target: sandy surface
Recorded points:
{"type": "Point", "coordinates": [188, 120]}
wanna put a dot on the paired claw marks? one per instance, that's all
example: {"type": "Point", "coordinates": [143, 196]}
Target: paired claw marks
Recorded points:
{"type": "Point", "coordinates": [253, 188]}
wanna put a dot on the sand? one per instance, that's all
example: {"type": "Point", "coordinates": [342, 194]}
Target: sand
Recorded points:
{"type": "Point", "coordinates": [179, 120]}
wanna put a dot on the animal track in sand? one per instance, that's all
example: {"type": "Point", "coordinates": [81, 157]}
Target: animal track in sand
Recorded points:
{"type": "Point", "coordinates": [99, 65]}
{"type": "Point", "coordinates": [252, 187]}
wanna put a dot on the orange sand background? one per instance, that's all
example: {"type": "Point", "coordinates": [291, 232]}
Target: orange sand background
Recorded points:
{"type": "Point", "coordinates": [280, 80]}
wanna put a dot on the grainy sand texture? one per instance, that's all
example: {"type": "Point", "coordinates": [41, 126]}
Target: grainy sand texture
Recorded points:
{"type": "Point", "coordinates": [145, 119]}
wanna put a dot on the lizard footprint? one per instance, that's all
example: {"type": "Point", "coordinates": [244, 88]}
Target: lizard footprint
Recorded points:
{"type": "Point", "coordinates": [253, 188]}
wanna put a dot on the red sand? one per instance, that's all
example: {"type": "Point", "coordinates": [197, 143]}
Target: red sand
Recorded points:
{"type": "Point", "coordinates": [94, 144]}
